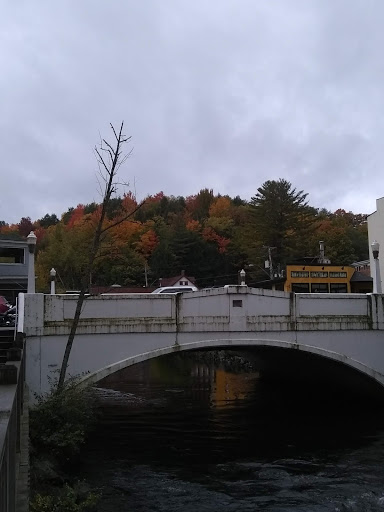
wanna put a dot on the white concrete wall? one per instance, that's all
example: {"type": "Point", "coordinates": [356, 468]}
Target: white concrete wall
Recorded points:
{"type": "Point", "coordinates": [122, 329]}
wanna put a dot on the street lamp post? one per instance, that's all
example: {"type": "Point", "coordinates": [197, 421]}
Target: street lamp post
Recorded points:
{"type": "Point", "coordinates": [52, 273]}
{"type": "Point", "coordinates": [31, 241]}
{"type": "Point", "coordinates": [375, 246]}
{"type": "Point", "coordinates": [242, 277]}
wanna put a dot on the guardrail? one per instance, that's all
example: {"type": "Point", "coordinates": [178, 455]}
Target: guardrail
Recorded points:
{"type": "Point", "coordinates": [12, 377]}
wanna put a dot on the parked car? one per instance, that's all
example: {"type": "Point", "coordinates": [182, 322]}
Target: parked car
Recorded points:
{"type": "Point", "coordinates": [8, 319]}
{"type": "Point", "coordinates": [4, 305]}
{"type": "Point", "coordinates": [175, 289]}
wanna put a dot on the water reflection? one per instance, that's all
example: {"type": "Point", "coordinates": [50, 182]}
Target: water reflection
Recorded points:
{"type": "Point", "coordinates": [203, 432]}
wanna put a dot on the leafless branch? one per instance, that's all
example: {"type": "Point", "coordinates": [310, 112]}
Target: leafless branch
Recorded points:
{"type": "Point", "coordinates": [101, 161]}
{"type": "Point", "coordinates": [126, 217]}
{"type": "Point", "coordinates": [107, 174]}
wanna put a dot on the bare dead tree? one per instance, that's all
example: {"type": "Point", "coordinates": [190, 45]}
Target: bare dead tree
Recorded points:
{"type": "Point", "coordinates": [110, 157]}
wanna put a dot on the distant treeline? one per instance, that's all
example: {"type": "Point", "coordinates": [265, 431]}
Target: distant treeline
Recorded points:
{"type": "Point", "coordinates": [208, 235]}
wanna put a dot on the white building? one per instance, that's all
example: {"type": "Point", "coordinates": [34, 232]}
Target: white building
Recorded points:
{"type": "Point", "coordinates": [376, 232]}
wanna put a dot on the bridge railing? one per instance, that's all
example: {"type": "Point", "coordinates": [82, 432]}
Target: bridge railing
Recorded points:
{"type": "Point", "coordinates": [12, 378]}
{"type": "Point", "coordinates": [219, 310]}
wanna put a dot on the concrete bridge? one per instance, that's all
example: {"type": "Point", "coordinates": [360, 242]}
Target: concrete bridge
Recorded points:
{"type": "Point", "coordinates": [116, 331]}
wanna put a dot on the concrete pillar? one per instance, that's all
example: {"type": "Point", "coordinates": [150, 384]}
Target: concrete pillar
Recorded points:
{"type": "Point", "coordinates": [376, 271]}
{"type": "Point", "coordinates": [31, 241]}
{"type": "Point", "coordinates": [377, 277]}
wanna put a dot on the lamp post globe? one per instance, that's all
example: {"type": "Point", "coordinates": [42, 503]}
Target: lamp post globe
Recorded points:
{"type": "Point", "coordinates": [31, 241]}
{"type": "Point", "coordinates": [375, 249]}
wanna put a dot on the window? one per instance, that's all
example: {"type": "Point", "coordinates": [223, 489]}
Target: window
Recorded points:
{"type": "Point", "coordinates": [338, 288]}
{"type": "Point", "coordinates": [237, 303]}
{"type": "Point", "coordinates": [300, 287]}
{"type": "Point", "coordinates": [11, 255]}
{"type": "Point", "coordinates": [319, 288]}
{"type": "Point", "coordinates": [299, 273]}
{"type": "Point", "coordinates": [318, 273]}
{"type": "Point", "coordinates": [337, 274]}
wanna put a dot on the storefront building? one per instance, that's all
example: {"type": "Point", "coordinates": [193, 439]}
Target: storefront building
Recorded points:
{"type": "Point", "coordinates": [318, 278]}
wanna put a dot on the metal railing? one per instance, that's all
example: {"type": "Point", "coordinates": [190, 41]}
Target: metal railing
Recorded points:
{"type": "Point", "coordinates": [11, 408]}
{"type": "Point", "coordinates": [16, 320]}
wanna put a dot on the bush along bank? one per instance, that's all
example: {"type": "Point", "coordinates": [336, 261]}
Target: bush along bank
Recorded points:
{"type": "Point", "coordinates": [59, 424]}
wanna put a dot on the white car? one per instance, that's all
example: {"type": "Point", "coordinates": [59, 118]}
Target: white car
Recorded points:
{"type": "Point", "coordinates": [175, 289]}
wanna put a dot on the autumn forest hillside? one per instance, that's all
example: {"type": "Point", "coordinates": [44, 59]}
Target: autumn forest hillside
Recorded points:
{"type": "Point", "coordinates": [208, 235]}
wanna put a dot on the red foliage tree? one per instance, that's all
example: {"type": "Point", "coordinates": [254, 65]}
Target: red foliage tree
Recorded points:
{"type": "Point", "coordinates": [76, 216]}
{"type": "Point", "coordinates": [25, 226]}
{"type": "Point", "coordinates": [210, 235]}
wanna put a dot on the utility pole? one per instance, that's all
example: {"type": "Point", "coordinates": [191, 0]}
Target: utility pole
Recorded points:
{"type": "Point", "coordinates": [270, 263]}
{"type": "Point", "coordinates": [269, 260]}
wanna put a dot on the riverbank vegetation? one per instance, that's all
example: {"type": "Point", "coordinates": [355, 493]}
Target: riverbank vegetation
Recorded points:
{"type": "Point", "coordinates": [59, 424]}
{"type": "Point", "coordinates": [208, 235]}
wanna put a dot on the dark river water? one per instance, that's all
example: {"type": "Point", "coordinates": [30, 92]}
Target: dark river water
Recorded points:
{"type": "Point", "coordinates": [206, 433]}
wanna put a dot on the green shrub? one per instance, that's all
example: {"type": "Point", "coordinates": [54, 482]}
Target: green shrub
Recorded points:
{"type": "Point", "coordinates": [61, 420]}
{"type": "Point", "coordinates": [58, 426]}
{"type": "Point", "coordinates": [67, 499]}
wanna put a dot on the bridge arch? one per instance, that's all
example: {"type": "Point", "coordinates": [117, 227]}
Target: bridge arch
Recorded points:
{"type": "Point", "coordinates": [231, 343]}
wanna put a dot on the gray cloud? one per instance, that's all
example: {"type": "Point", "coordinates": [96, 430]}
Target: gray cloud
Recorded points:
{"type": "Point", "coordinates": [222, 95]}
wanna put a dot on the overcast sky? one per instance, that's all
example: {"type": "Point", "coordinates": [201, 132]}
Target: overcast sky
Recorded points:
{"type": "Point", "coordinates": [223, 94]}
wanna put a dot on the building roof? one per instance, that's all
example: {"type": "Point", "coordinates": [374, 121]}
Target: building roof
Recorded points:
{"type": "Point", "coordinates": [316, 264]}
{"type": "Point", "coordinates": [13, 237]}
{"type": "Point", "coordinates": [360, 277]}
{"type": "Point", "coordinates": [360, 263]}
{"type": "Point", "coordinates": [96, 290]}
{"type": "Point", "coordinates": [171, 281]}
